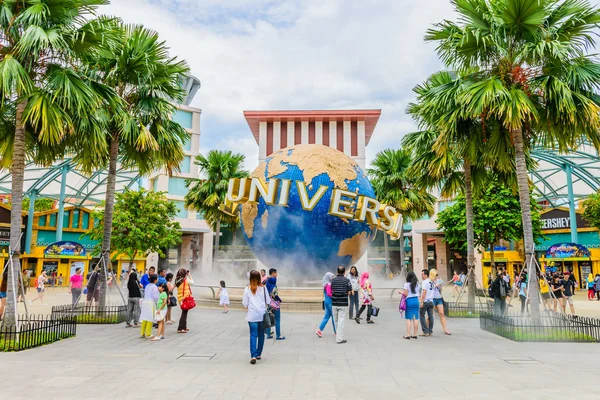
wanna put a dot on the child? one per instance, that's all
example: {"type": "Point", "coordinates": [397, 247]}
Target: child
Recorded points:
{"type": "Point", "coordinates": [148, 312]}
{"type": "Point", "coordinates": [223, 297]}
{"type": "Point", "coordinates": [60, 280]}
{"type": "Point", "coordinates": [161, 311]}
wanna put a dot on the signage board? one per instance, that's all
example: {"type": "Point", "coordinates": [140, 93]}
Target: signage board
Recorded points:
{"type": "Point", "coordinates": [567, 250]}
{"type": "Point", "coordinates": [558, 218]}
{"type": "Point", "coordinates": [65, 249]}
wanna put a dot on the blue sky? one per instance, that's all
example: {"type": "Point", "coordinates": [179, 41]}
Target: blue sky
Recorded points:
{"type": "Point", "coordinates": [295, 54]}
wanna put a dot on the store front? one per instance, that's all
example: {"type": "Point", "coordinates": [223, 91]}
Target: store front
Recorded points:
{"type": "Point", "coordinates": [509, 260]}
{"type": "Point", "coordinates": [569, 258]}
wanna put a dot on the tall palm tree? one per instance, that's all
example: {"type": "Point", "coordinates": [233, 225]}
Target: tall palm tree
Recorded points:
{"type": "Point", "coordinates": [534, 75]}
{"type": "Point", "coordinates": [45, 98]}
{"type": "Point", "coordinates": [396, 187]}
{"type": "Point", "coordinates": [208, 193]}
{"type": "Point", "coordinates": [140, 132]}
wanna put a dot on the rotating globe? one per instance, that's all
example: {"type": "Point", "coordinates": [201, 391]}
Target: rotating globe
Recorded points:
{"type": "Point", "coordinates": [308, 241]}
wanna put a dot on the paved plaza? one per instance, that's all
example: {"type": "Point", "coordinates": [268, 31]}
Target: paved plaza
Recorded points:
{"type": "Point", "coordinates": [212, 362]}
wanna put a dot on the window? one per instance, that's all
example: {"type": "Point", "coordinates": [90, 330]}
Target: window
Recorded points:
{"type": "Point", "coordinates": [442, 205]}
{"type": "Point", "coordinates": [42, 220]}
{"type": "Point", "coordinates": [182, 211]}
{"type": "Point", "coordinates": [183, 118]}
{"type": "Point", "coordinates": [66, 218]}
{"type": "Point", "coordinates": [75, 223]}
{"type": "Point", "coordinates": [187, 145]}
{"type": "Point", "coordinates": [52, 219]}
{"type": "Point", "coordinates": [177, 186]}
{"type": "Point", "coordinates": [185, 164]}
{"type": "Point", "coordinates": [85, 221]}
{"type": "Point", "coordinates": [199, 215]}
{"type": "Point", "coordinates": [155, 184]}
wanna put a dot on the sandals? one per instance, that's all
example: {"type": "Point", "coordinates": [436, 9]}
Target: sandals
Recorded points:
{"type": "Point", "coordinates": [448, 333]}
{"type": "Point", "coordinates": [414, 337]}
{"type": "Point", "coordinates": [181, 331]}
{"type": "Point", "coordinates": [406, 337]}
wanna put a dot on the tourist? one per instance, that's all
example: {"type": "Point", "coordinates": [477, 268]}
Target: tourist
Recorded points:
{"type": "Point", "coordinates": [354, 281]}
{"type": "Point", "coordinates": [3, 291]}
{"type": "Point", "coordinates": [590, 286]}
{"type": "Point", "coordinates": [499, 292]}
{"type": "Point", "coordinates": [161, 277]}
{"type": "Point", "coordinates": [93, 285]}
{"type": "Point", "coordinates": [457, 281]}
{"type": "Point", "coordinates": [426, 303]}
{"type": "Point", "coordinates": [255, 301]}
{"type": "Point", "coordinates": [557, 291]}
{"type": "Point", "coordinates": [438, 300]}
{"type": "Point", "coordinates": [597, 286]}
{"type": "Point", "coordinates": [327, 305]}
{"type": "Point", "coordinates": [60, 280]}
{"type": "Point", "coordinates": [40, 286]}
{"type": "Point", "coordinates": [172, 300]}
{"type": "Point", "coordinates": [183, 280]}
{"type": "Point", "coordinates": [522, 287]}
{"type": "Point", "coordinates": [147, 314]}
{"type": "Point", "coordinates": [161, 311]}
{"type": "Point", "coordinates": [569, 284]}
{"type": "Point", "coordinates": [145, 278]}
{"type": "Point", "coordinates": [366, 299]}
{"type": "Point", "coordinates": [76, 286]}
{"type": "Point", "coordinates": [133, 300]}
{"type": "Point", "coordinates": [223, 297]}
{"type": "Point", "coordinates": [263, 276]}
{"type": "Point", "coordinates": [275, 304]}
{"type": "Point", "coordinates": [544, 291]}
{"type": "Point", "coordinates": [340, 290]}
{"type": "Point", "coordinates": [411, 293]}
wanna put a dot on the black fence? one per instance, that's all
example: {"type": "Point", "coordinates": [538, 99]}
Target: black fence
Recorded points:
{"type": "Point", "coordinates": [36, 331]}
{"type": "Point", "coordinates": [111, 314]}
{"type": "Point", "coordinates": [550, 327]}
{"type": "Point", "coordinates": [462, 310]}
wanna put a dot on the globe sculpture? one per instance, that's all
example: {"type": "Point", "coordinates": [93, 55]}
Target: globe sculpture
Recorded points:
{"type": "Point", "coordinates": [307, 241]}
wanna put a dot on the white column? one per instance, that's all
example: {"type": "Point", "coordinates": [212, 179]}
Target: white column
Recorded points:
{"type": "Point", "coordinates": [290, 133]}
{"type": "Point", "coordinates": [319, 132]}
{"type": "Point", "coordinates": [333, 134]}
{"type": "Point", "coordinates": [363, 263]}
{"type": "Point", "coordinates": [361, 139]}
{"type": "Point", "coordinates": [276, 135]}
{"type": "Point", "coordinates": [304, 137]}
{"type": "Point", "coordinates": [347, 143]}
{"type": "Point", "coordinates": [262, 141]}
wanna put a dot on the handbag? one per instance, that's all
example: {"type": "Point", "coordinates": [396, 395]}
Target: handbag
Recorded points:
{"type": "Point", "coordinates": [402, 305]}
{"type": "Point", "coordinates": [172, 301]}
{"type": "Point", "coordinates": [188, 302]}
{"type": "Point", "coordinates": [269, 317]}
{"type": "Point", "coordinates": [374, 311]}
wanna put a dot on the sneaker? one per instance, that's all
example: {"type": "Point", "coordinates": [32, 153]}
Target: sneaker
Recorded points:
{"type": "Point", "coordinates": [370, 322]}
{"type": "Point", "coordinates": [357, 320]}
{"type": "Point", "coordinates": [342, 342]}
{"type": "Point", "coordinates": [30, 302]}
{"type": "Point", "coordinates": [319, 333]}
{"type": "Point", "coordinates": [253, 361]}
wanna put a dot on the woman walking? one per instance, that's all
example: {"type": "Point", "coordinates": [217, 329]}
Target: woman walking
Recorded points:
{"type": "Point", "coordinates": [133, 301]}
{"type": "Point", "coordinates": [40, 286]}
{"type": "Point", "coordinates": [366, 299]}
{"type": "Point", "coordinates": [353, 298]}
{"type": "Point", "coordinates": [522, 286]}
{"type": "Point", "coordinates": [590, 286]}
{"type": "Point", "coordinates": [438, 300]}
{"type": "Point", "coordinates": [327, 305]}
{"type": "Point", "coordinates": [411, 292]}
{"type": "Point", "coordinates": [255, 301]}
{"type": "Point", "coordinates": [183, 282]}
{"type": "Point", "coordinates": [172, 301]}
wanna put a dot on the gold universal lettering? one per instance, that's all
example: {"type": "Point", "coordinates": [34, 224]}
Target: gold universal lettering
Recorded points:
{"type": "Point", "coordinates": [366, 209]}
{"type": "Point", "coordinates": [284, 193]}
{"type": "Point", "coordinates": [395, 231]}
{"type": "Point", "coordinates": [308, 204]}
{"type": "Point", "coordinates": [229, 208]}
{"type": "Point", "coordinates": [239, 186]}
{"type": "Point", "coordinates": [337, 202]}
{"type": "Point", "coordinates": [257, 187]}
{"type": "Point", "coordinates": [386, 217]}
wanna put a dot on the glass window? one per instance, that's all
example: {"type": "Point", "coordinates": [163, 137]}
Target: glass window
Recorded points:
{"type": "Point", "coordinates": [199, 215]}
{"type": "Point", "coordinates": [442, 205]}
{"type": "Point", "coordinates": [182, 211]}
{"type": "Point", "coordinates": [155, 184]}
{"type": "Point", "coordinates": [185, 164]}
{"type": "Point", "coordinates": [75, 223]}
{"type": "Point", "coordinates": [52, 219]}
{"type": "Point", "coordinates": [66, 215]}
{"type": "Point", "coordinates": [187, 145]}
{"type": "Point", "coordinates": [183, 118]}
{"type": "Point", "coordinates": [177, 186]}
{"type": "Point", "coordinates": [85, 221]}
{"type": "Point", "coordinates": [42, 220]}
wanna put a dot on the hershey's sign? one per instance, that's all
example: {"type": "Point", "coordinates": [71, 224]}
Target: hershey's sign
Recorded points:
{"type": "Point", "coordinates": [559, 219]}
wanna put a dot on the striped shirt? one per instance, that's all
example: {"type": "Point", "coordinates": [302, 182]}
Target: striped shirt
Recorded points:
{"type": "Point", "coordinates": [340, 286]}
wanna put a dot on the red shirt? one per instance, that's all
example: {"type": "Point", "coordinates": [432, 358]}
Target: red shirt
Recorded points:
{"type": "Point", "coordinates": [76, 281]}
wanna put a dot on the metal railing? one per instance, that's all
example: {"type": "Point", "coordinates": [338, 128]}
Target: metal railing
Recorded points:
{"type": "Point", "coordinates": [549, 327]}
{"type": "Point", "coordinates": [36, 331]}
{"type": "Point", "coordinates": [110, 314]}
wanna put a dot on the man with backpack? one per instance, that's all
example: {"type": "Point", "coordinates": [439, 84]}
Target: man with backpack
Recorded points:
{"type": "Point", "coordinates": [93, 287]}
{"type": "Point", "coordinates": [499, 291]}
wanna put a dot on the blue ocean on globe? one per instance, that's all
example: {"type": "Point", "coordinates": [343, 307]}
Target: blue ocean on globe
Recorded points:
{"type": "Point", "coordinates": [310, 241]}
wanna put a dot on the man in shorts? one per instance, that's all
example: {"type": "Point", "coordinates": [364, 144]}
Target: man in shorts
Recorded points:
{"type": "Point", "coordinates": [545, 292]}
{"type": "Point", "coordinates": [93, 288]}
{"type": "Point", "coordinates": [569, 286]}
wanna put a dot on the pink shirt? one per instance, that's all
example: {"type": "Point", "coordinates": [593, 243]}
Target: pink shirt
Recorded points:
{"type": "Point", "coordinates": [76, 281]}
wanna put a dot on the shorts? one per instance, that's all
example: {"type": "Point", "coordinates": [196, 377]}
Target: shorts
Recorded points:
{"type": "Point", "coordinates": [2, 295]}
{"type": "Point", "coordinates": [438, 302]}
{"type": "Point", "coordinates": [569, 300]}
{"type": "Point", "coordinates": [40, 290]}
{"type": "Point", "coordinates": [95, 295]}
{"type": "Point", "coordinates": [546, 296]}
{"type": "Point", "coordinates": [458, 283]}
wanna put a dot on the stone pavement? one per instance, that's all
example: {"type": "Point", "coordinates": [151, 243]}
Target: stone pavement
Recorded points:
{"type": "Point", "coordinates": [212, 362]}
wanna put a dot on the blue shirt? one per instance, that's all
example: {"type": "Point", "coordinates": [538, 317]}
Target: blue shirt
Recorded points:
{"type": "Point", "coordinates": [145, 281]}
{"type": "Point", "coordinates": [161, 280]}
{"type": "Point", "coordinates": [522, 289]}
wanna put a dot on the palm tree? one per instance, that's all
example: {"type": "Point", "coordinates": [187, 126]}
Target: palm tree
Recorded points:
{"type": "Point", "coordinates": [534, 76]}
{"type": "Point", "coordinates": [394, 186]}
{"type": "Point", "coordinates": [45, 98]}
{"type": "Point", "coordinates": [140, 132]}
{"type": "Point", "coordinates": [208, 193]}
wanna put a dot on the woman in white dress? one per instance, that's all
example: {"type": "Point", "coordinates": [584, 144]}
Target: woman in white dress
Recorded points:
{"type": "Point", "coordinates": [223, 297]}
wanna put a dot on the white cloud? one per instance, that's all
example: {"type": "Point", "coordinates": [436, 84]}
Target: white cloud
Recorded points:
{"type": "Point", "coordinates": [312, 54]}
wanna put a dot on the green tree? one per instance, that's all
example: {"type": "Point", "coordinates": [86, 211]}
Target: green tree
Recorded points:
{"type": "Point", "coordinates": [143, 222]}
{"type": "Point", "coordinates": [208, 193]}
{"type": "Point", "coordinates": [591, 209]}
{"type": "Point", "coordinates": [45, 98]}
{"type": "Point", "coordinates": [394, 186]}
{"type": "Point", "coordinates": [533, 74]}
{"type": "Point", "coordinates": [140, 132]}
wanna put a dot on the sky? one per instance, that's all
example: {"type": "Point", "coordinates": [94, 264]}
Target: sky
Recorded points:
{"type": "Point", "coordinates": [295, 54]}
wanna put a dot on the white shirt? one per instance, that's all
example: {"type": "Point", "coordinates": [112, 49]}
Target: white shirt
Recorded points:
{"type": "Point", "coordinates": [354, 282]}
{"type": "Point", "coordinates": [411, 294]}
{"type": "Point", "coordinates": [437, 294]}
{"type": "Point", "coordinates": [428, 286]}
{"type": "Point", "coordinates": [256, 303]}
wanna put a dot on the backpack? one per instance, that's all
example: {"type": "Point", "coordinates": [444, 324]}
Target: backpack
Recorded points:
{"type": "Point", "coordinates": [502, 290]}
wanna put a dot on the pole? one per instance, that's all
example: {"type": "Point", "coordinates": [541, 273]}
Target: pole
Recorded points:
{"type": "Point", "coordinates": [61, 203]}
{"type": "Point", "coordinates": [29, 229]}
{"type": "Point", "coordinates": [572, 212]}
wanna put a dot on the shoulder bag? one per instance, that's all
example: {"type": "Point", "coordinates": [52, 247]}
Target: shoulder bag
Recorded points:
{"type": "Point", "coordinates": [188, 302]}
{"type": "Point", "coordinates": [269, 317]}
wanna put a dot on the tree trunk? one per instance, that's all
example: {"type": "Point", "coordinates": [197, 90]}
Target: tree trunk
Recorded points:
{"type": "Point", "coordinates": [16, 219]}
{"type": "Point", "coordinates": [216, 249]}
{"type": "Point", "coordinates": [386, 252]}
{"type": "Point", "coordinates": [109, 206]}
{"type": "Point", "coordinates": [471, 287]}
{"type": "Point", "coordinates": [525, 200]}
{"type": "Point", "coordinates": [233, 249]}
{"type": "Point", "coordinates": [493, 259]}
